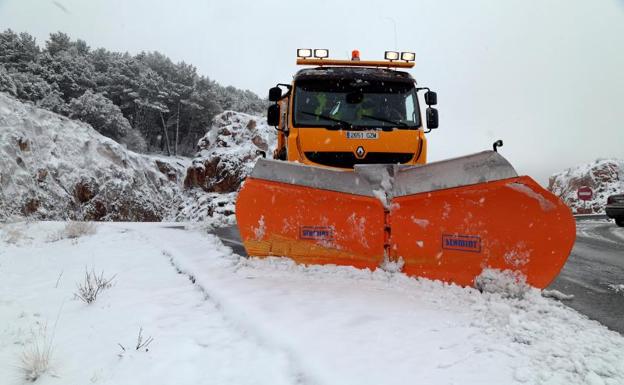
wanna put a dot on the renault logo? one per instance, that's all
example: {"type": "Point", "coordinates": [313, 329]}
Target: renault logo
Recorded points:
{"type": "Point", "coordinates": [359, 152]}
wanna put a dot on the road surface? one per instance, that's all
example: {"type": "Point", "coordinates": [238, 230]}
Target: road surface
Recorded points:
{"type": "Point", "coordinates": [592, 274]}
{"type": "Point", "coordinates": [593, 271]}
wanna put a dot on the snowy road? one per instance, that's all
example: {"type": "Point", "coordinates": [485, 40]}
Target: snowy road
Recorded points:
{"type": "Point", "coordinates": [594, 273]}
{"type": "Point", "coordinates": [217, 318]}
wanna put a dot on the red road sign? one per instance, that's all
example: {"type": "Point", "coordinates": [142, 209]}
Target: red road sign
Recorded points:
{"type": "Point", "coordinates": [585, 193]}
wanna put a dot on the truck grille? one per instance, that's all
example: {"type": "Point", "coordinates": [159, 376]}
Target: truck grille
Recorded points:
{"type": "Point", "coordinates": [348, 159]}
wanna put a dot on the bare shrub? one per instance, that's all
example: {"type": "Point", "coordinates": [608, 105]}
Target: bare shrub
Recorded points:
{"type": "Point", "coordinates": [75, 230]}
{"type": "Point", "coordinates": [35, 359]}
{"type": "Point", "coordinates": [13, 235]}
{"type": "Point", "coordinates": [92, 285]}
{"type": "Point", "coordinates": [16, 232]}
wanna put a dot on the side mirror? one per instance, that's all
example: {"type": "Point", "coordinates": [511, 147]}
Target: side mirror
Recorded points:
{"type": "Point", "coordinates": [431, 98]}
{"type": "Point", "coordinates": [432, 118]}
{"type": "Point", "coordinates": [275, 94]}
{"type": "Point", "coordinates": [273, 115]}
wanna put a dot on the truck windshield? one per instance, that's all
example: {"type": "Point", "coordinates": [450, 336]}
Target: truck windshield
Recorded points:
{"type": "Point", "coordinates": [356, 104]}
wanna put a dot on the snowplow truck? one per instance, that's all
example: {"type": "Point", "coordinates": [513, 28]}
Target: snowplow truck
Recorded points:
{"type": "Point", "coordinates": [349, 184]}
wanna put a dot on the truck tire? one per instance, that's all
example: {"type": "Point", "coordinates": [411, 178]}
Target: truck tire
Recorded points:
{"type": "Point", "coordinates": [619, 221]}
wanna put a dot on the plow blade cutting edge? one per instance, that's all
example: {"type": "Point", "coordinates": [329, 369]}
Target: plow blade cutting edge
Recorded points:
{"type": "Point", "coordinates": [446, 220]}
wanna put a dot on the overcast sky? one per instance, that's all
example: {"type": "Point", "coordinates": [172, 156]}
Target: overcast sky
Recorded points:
{"type": "Point", "coordinates": [547, 77]}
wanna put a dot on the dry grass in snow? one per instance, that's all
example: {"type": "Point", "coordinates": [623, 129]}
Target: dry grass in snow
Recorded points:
{"type": "Point", "coordinates": [35, 360]}
{"type": "Point", "coordinates": [92, 285]}
{"type": "Point", "coordinates": [74, 230]}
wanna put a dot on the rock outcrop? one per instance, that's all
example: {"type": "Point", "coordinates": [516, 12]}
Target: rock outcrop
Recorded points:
{"type": "Point", "coordinates": [605, 177]}
{"type": "Point", "coordinates": [228, 152]}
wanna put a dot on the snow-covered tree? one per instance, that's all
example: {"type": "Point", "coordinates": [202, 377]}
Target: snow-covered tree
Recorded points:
{"type": "Point", "coordinates": [134, 141]}
{"type": "Point", "coordinates": [54, 102]}
{"type": "Point", "coordinates": [101, 113]}
{"type": "Point", "coordinates": [6, 83]}
{"type": "Point", "coordinates": [30, 86]}
{"type": "Point", "coordinates": [168, 103]}
{"type": "Point", "coordinates": [73, 74]}
{"type": "Point", "coordinates": [16, 51]}
{"type": "Point", "coordinates": [58, 42]}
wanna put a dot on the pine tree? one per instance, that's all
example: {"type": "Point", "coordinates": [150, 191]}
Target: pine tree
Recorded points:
{"type": "Point", "coordinates": [6, 82]}
{"type": "Point", "coordinates": [146, 100]}
{"type": "Point", "coordinates": [101, 114]}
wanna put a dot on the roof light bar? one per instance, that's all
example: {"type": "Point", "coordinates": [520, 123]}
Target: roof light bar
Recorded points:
{"type": "Point", "coordinates": [304, 53]}
{"type": "Point", "coordinates": [321, 53]}
{"type": "Point", "coordinates": [408, 56]}
{"type": "Point", "coordinates": [391, 55]}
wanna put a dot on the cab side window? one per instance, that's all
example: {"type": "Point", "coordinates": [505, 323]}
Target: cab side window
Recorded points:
{"type": "Point", "coordinates": [410, 114]}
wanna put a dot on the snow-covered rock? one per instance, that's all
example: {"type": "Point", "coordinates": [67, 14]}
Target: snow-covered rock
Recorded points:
{"type": "Point", "coordinates": [228, 152]}
{"type": "Point", "coordinates": [604, 176]}
{"type": "Point", "coordinates": [52, 167]}
{"type": "Point", "coordinates": [212, 209]}
{"type": "Point", "coordinates": [226, 156]}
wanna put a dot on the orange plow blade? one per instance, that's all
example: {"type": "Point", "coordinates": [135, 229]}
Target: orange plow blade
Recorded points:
{"type": "Point", "coordinates": [309, 225]}
{"type": "Point", "coordinates": [447, 220]}
{"type": "Point", "coordinates": [511, 224]}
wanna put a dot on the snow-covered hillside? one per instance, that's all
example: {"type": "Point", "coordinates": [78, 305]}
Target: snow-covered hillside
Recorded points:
{"type": "Point", "coordinates": [216, 318]}
{"type": "Point", "coordinates": [52, 167]}
{"type": "Point", "coordinates": [605, 177]}
{"type": "Point", "coordinates": [55, 168]}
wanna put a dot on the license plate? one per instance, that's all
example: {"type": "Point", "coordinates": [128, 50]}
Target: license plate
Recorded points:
{"type": "Point", "coordinates": [362, 135]}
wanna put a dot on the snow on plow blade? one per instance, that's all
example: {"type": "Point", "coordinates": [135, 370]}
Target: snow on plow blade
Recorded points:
{"type": "Point", "coordinates": [446, 220]}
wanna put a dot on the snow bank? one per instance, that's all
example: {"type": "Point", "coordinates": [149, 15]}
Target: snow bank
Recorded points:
{"type": "Point", "coordinates": [52, 167]}
{"type": "Point", "coordinates": [604, 176]}
{"type": "Point", "coordinates": [509, 284]}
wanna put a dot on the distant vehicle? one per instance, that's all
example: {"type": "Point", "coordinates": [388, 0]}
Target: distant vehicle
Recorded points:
{"type": "Point", "coordinates": [615, 208]}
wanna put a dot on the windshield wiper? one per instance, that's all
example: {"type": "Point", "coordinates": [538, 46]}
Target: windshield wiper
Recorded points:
{"type": "Point", "coordinates": [385, 120]}
{"type": "Point", "coordinates": [342, 122]}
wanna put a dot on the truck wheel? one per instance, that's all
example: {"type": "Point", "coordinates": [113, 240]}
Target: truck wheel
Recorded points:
{"type": "Point", "coordinates": [619, 222]}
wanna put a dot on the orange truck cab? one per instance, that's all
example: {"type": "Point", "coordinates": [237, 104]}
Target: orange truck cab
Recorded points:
{"type": "Point", "coordinates": [347, 112]}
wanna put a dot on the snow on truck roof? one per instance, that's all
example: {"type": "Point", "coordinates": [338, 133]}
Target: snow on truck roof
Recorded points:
{"type": "Point", "coordinates": [354, 72]}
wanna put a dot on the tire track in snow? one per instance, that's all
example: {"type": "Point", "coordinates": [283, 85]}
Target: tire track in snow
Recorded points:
{"type": "Point", "coordinates": [298, 374]}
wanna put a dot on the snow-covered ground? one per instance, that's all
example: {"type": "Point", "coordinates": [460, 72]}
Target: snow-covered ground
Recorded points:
{"type": "Point", "coordinates": [217, 318]}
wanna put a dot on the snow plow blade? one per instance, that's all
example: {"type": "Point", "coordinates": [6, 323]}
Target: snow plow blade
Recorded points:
{"type": "Point", "coordinates": [446, 220]}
